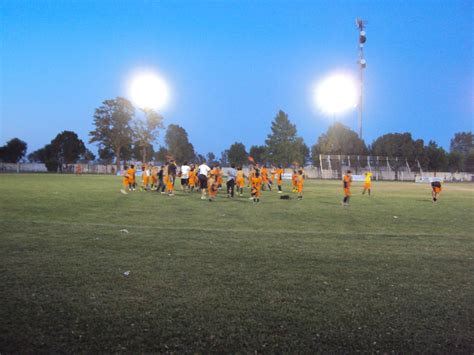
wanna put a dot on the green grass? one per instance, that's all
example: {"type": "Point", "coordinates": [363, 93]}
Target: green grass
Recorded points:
{"type": "Point", "coordinates": [230, 276]}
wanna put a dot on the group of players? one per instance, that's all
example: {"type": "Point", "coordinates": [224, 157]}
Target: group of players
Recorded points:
{"type": "Point", "coordinates": [209, 180]}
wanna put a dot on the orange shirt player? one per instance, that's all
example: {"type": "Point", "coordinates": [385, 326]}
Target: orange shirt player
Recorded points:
{"type": "Point", "coordinates": [279, 176]}
{"type": "Point", "coordinates": [346, 183]}
{"type": "Point", "coordinates": [125, 180]}
{"type": "Point", "coordinates": [256, 186]}
{"type": "Point", "coordinates": [240, 181]}
{"type": "Point", "coordinates": [299, 184]}
{"type": "Point", "coordinates": [131, 177]}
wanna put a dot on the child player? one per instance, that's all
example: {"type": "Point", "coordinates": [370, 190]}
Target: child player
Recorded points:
{"type": "Point", "coordinates": [125, 180]}
{"type": "Point", "coordinates": [435, 190]}
{"type": "Point", "coordinates": [240, 181]}
{"type": "Point", "coordinates": [212, 185]}
{"type": "Point", "coordinates": [346, 183]}
{"type": "Point", "coordinates": [294, 181]}
{"type": "Point", "coordinates": [279, 176]}
{"type": "Point", "coordinates": [367, 183]}
{"type": "Point", "coordinates": [299, 184]}
{"type": "Point", "coordinates": [131, 177]}
{"type": "Point", "coordinates": [256, 186]}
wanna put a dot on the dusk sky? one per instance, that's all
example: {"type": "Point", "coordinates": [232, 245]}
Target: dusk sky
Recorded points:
{"type": "Point", "coordinates": [231, 65]}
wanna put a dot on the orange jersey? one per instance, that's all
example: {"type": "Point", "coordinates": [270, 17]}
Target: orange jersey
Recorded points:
{"type": "Point", "coordinates": [240, 179]}
{"type": "Point", "coordinates": [191, 176]}
{"type": "Point", "coordinates": [294, 179]}
{"type": "Point", "coordinates": [299, 182]}
{"type": "Point", "coordinates": [131, 175]}
{"type": "Point", "coordinates": [256, 185]}
{"type": "Point", "coordinates": [264, 174]}
{"type": "Point", "coordinates": [346, 183]}
{"type": "Point", "coordinates": [279, 174]}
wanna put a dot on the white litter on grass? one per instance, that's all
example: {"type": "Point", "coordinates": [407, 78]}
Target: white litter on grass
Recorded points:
{"type": "Point", "coordinates": [126, 273]}
{"type": "Point", "coordinates": [395, 217]}
{"type": "Point", "coordinates": [124, 230]}
{"type": "Point", "coordinates": [123, 191]}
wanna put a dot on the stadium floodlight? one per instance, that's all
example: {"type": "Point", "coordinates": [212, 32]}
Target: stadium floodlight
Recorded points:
{"type": "Point", "coordinates": [148, 90]}
{"type": "Point", "coordinates": [336, 94]}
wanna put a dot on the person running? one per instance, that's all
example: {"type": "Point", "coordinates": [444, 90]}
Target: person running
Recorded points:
{"type": "Point", "coordinates": [435, 190]}
{"type": "Point", "coordinates": [367, 183]}
{"type": "Point", "coordinates": [240, 181]}
{"type": "Point", "coordinates": [213, 185]}
{"type": "Point", "coordinates": [256, 186]}
{"type": "Point", "coordinates": [203, 171]}
{"type": "Point", "coordinates": [265, 179]}
{"type": "Point", "coordinates": [299, 184]}
{"type": "Point", "coordinates": [192, 178]}
{"type": "Point", "coordinates": [231, 175]}
{"type": "Point", "coordinates": [161, 180]}
{"type": "Point", "coordinates": [185, 169]}
{"type": "Point", "coordinates": [346, 183]}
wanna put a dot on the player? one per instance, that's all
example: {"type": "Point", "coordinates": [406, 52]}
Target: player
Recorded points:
{"type": "Point", "coordinates": [192, 178]}
{"type": "Point", "coordinates": [346, 183]}
{"type": "Point", "coordinates": [230, 184]}
{"type": "Point", "coordinates": [299, 184]}
{"type": "Point", "coordinates": [203, 171]}
{"type": "Point", "coordinates": [435, 190]}
{"type": "Point", "coordinates": [125, 180]}
{"type": "Point", "coordinates": [131, 178]}
{"type": "Point", "coordinates": [171, 178]}
{"type": "Point", "coordinates": [240, 181]}
{"type": "Point", "coordinates": [212, 184]}
{"type": "Point", "coordinates": [265, 180]}
{"type": "Point", "coordinates": [154, 177]}
{"type": "Point", "coordinates": [294, 181]}
{"type": "Point", "coordinates": [256, 186]}
{"type": "Point", "coordinates": [367, 183]}
{"type": "Point", "coordinates": [279, 176]}
{"type": "Point", "coordinates": [185, 169]}
{"type": "Point", "coordinates": [145, 178]}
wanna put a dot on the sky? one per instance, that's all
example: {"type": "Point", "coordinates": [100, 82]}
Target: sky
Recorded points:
{"type": "Point", "coordinates": [231, 65]}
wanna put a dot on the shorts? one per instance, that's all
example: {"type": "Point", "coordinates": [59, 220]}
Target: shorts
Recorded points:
{"type": "Point", "coordinates": [347, 192]}
{"type": "Point", "coordinates": [367, 185]}
{"type": "Point", "coordinates": [184, 181]}
{"type": "Point", "coordinates": [436, 189]}
{"type": "Point", "coordinates": [202, 181]}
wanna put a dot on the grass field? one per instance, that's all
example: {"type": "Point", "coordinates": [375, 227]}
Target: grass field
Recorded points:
{"type": "Point", "coordinates": [230, 276]}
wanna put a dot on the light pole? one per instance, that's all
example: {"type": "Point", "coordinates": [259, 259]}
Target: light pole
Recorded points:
{"type": "Point", "coordinates": [362, 64]}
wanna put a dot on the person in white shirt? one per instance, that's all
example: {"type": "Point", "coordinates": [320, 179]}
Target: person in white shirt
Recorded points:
{"type": "Point", "coordinates": [203, 171]}
{"type": "Point", "coordinates": [185, 175]}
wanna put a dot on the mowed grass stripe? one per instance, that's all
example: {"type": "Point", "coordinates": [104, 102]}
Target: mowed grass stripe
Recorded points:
{"type": "Point", "coordinates": [233, 230]}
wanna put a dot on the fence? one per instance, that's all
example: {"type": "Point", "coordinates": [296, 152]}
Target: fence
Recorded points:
{"type": "Point", "coordinates": [330, 167]}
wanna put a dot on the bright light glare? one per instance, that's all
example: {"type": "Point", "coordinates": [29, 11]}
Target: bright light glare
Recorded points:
{"type": "Point", "coordinates": [336, 94]}
{"type": "Point", "coordinates": [148, 90]}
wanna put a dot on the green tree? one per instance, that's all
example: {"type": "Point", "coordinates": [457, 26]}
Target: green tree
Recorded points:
{"type": "Point", "coordinates": [178, 144]}
{"type": "Point", "coordinates": [258, 153]}
{"type": "Point", "coordinates": [237, 154]}
{"type": "Point", "coordinates": [211, 158]}
{"type": "Point", "coordinates": [113, 130]}
{"type": "Point", "coordinates": [162, 154]}
{"type": "Point", "coordinates": [87, 156]}
{"type": "Point", "coordinates": [436, 156]}
{"type": "Point", "coordinates": [283, 145]}
{"type": "Point", "coordinates": [339, 139]}
{"type": "Point", "coordinates": [455, 161]}
{"type": "Point", "coordinates": [224, 160]}
{"type": "Point", "coordinates": [469, 162]}
{"type": "Point", "coordinates": [67, 148]}
{"type": "Point", "coordinates": [139, 151]}
{"type": "Point", "coordinates": [13, 151]}
{"type": "Point", "coordinates": [145, 132]}
{"type": "Point", "coordinates": [462, 143]}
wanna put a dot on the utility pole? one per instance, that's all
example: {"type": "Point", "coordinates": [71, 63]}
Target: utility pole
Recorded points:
{"type": "Point", "coordinates": [362, 64]}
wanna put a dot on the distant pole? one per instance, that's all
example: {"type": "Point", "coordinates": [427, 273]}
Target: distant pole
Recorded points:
{"type": "Point", "coordinates": [362, 64]}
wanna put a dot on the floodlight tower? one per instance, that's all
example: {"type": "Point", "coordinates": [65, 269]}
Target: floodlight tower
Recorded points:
{"type": "Point", "coordinates": [360, 24]}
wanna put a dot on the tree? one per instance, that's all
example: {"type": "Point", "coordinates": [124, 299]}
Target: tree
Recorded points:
{"type": "Point", "coordinates": [162, 154]}
{"type": "Point", "coordinates": [339, 139]}
{"type": "Point", "coordinates": [106, 155]}
{"type": "Point", "coordinates": [258, 153]}
{"type": "Point", "coordinates": [13, 151]}
{"type": "Point", "coordinates": [45, 155]}
{"type": "Point", "coordinates": [200, 158]}
{"type": "Point", "coordinates": [67, 148]}
{"type": "Point", "coordinates": [469, 162]}
{"type": "Point", "coordinates": [178, 144]}
{"type": "Point", "coordinates": [283, 146]}
{"type": "Point", "coordinates": [437, 159]}
{"type": "Point", "coordinates": [455, 161]}
{"type": "Point", "coordinates": [462, 143]}
{"type": "Point", "coordinates": [237, 154]}
{"type": "Point", "coordinates": [87, 156]}
{"type": "Point", "coordinates": [211, 158]}
{"type": "Point", "coordinates": [139, 152]}
{"type": "Point", "coordinates": [146, 132]}
{"type": "Point", "coordinates": [224, 160]}
{"type": "Point", "coordinates": [112, 126]}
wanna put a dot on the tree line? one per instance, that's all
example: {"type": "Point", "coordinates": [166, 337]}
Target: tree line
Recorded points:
{"type": "Point", "coordinates": [123, 133]}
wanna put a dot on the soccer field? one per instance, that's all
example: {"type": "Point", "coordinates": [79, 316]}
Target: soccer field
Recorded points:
{"type": "Point", "coordinates": [393, 272]}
